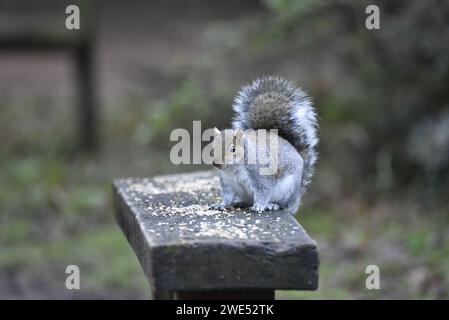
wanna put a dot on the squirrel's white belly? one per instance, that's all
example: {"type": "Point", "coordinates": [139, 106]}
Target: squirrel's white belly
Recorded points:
{"type": "Point", "coordinates": [239, 180]}
{"type": "Point", "coordinates": [241, 183]}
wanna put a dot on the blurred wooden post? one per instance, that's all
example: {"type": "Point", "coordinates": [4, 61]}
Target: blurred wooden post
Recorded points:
{"type": "Point", "coordinates": [19, 36]}
{"type": "Point", "coordinates": [87, 119]}
{"type": "Point", "coordinates": [84, 65]}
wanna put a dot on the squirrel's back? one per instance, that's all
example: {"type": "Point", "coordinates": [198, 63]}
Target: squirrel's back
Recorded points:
{"type": "Point", "coordinates": [275, 103]}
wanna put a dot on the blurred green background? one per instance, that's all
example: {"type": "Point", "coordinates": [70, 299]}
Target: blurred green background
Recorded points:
{"type": "Point", "coordinates": [380, 195]}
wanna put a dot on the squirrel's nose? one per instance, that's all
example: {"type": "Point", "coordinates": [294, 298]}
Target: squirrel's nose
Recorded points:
{"type": "Point", "coordinates": [216, 165]}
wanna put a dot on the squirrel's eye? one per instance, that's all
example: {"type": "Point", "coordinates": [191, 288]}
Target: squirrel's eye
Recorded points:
{"type": "Point", "coordinates": [232, 149]}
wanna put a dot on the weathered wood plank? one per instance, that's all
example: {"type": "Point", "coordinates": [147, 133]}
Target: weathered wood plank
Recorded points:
{"type": "Point", "coordinates": [183, 246]}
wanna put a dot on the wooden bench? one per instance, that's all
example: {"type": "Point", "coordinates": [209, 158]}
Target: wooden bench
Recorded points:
{"type": "Point", "coordinates": [190, 252]}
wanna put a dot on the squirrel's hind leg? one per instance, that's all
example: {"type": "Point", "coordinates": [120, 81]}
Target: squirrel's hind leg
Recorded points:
{"type": "Point", "coordinates": [265, 207]}
{"type": "Point", "coordinates": [262, 194]}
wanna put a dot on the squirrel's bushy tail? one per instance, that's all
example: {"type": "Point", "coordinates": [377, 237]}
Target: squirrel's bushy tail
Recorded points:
{"type": "Point", "coordinates": [275, 103]}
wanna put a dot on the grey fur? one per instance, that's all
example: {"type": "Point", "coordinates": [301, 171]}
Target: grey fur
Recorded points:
{"type": "Point", "coordinates": [294, 116]}
{"type": "Point", "coordinates": [271, 103]}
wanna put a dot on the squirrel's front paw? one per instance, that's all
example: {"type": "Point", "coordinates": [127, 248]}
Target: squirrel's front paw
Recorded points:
{"type": "Point", "coordinates": [219, 206]}
{"type": "Point", "coordinates": [266, 207]}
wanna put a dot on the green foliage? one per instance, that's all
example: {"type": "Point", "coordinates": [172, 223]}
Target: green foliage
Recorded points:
{"type": "Point", "coordinates": [399, 77]}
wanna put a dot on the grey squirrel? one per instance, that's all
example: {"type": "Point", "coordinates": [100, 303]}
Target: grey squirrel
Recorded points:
{"type": "Point", "coordinates": [267, 103]}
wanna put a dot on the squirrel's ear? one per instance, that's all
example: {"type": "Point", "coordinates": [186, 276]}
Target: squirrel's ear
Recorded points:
{"type": "Point", "coordinates": [216, 131]}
